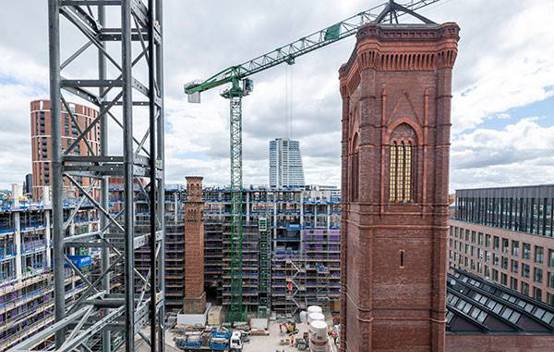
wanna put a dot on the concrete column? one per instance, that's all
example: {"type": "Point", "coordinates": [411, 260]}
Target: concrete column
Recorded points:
{"type": "Point", "coordinates": [18, 243]}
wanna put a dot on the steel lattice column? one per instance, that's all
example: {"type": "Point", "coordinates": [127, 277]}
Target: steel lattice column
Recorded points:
{"type": "Point", "coordinates": [118, 300]}
{"type": "Point", "coordinates": [235, 94]}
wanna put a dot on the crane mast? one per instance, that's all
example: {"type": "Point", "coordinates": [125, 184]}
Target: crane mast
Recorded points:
{"type": "Point", "coordinates": [241, 86]}
{"type": "Point", "coordinates": [235, 94]}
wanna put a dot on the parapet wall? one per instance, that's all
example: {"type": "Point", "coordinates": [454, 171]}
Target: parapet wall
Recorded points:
{"type": "Point", "coordinates": [497, 343]}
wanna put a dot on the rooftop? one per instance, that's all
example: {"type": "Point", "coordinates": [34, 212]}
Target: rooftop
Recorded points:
{"type": "Point", "coordinates": [475, 305]}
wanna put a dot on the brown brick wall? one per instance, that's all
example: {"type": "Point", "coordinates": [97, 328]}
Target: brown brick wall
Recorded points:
{"type": "Point", "coordinates": [499, 343]}
{"type": "Point", "coordinates": [195, 297]}
{"type": "Point", "coordinates": [396, 87]}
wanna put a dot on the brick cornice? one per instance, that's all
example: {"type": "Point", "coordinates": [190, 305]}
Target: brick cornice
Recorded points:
{"type": "Point", "coordinates": [400, 48]}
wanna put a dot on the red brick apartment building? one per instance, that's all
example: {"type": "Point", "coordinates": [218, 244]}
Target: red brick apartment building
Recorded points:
{"type": "Point", "coordinates": [41, 140]}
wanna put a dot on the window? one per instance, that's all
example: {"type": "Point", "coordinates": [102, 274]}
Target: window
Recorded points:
{"type": "Point", "coordinates": [355, 169]}
{"type": "Point", "coordinates": [504, 279]}
{"type": "Point", "coordinates": [538, 275]}
{"type": "Point", "coordinates": [537, 293]}
{"type": "Point", "coordinates": [480, 238]}
{"type": "Point", "coordinates": [539, 254]}
{"type": "Point", "coordinates": [550, 298]}
{"type": "Point", "coordinates": [505, 244]}
{"type": "Point", "coordinates": [515, 248]}
{"type": "Point", "coordinates": [495, 275]}
{"type": "Point", "coordinates": [513, 283]}
{"type": "Point", "coordinates": [515, 266]}
{"type": "Point", "coordinates": [505, 263]}
{"type": "Point", "coordinates": [401, 168]}
{"type": "Point", "coordinates": [551, 258]}
{"type": "Point", "coordinates": [525, 270]}
{"type": "Point", "coordinates": [496, 243]}
{"type": "Point", "coordinates": [488, 240]}
{"type": "Point", "coordinates": [524, 288]}
{"type": "Point", "coordinates": [550, 279]}
{"type": "Point", "coordinates": [526, 251]}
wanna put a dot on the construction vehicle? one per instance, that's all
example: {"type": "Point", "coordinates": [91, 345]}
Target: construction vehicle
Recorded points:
{"type": "Point", "coordinates": [235, 342]}
{"type": "Point", "coordinates": [219, 340]}
{"type": "Point", "coordinates": [242, 85]}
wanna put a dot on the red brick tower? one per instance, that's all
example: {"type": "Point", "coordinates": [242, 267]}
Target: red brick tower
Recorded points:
{"type": "Point", "coordinates": [195, 296]}
{"type": "Point", "coordinates": [396, 91]}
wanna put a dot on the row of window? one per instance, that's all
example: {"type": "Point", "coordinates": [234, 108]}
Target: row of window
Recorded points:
{"type": "Point", "coordinates": [532, 215]}
{"type": "Point", "coordinates": [503, 245]}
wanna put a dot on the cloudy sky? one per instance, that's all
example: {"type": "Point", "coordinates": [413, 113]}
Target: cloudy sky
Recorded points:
{"type": "Point", "coordinates": [503, 107]}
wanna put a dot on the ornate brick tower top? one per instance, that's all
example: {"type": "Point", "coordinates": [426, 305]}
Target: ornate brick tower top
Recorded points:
{"type": "Point", "coordinates": [396, 91]}
{"type": "Point", "coordinates": [195, 297]}
{"type": "Point", "coordinates": [194, 188]}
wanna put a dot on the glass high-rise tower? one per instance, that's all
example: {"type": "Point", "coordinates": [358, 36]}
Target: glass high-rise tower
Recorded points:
{"type": "Point", "coordinates": [285, 163]}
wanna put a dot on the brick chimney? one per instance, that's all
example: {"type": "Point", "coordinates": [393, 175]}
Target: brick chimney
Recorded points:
{"type": "Point", "coordinates": [195, 296]}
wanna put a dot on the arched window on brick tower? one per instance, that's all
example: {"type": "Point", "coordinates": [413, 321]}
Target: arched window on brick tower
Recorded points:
{"type": "Point", "coordinates": [354, 176]}
{"type": "Point", "coordinates": [402, 170]}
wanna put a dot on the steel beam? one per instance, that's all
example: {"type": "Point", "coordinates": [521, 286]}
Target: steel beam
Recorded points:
{"type": "Point", "coordinates": [57, 181]}
{"type": "Point", "coordinates": [109, 322]}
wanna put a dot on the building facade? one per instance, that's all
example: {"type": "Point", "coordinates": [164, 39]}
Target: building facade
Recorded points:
{"type": "Point", "coordinates": [285, 164]}
{"type": "Point", "coordinates": [506, 235]}
{"type": "Point", "coordinates": [78, 118]}
{"type": "Point", "coordinates": [300, 260]}
{"type": "Point", "coordinates": [396, 92]}
{"type": "Point", "coordinates": [26, 276]}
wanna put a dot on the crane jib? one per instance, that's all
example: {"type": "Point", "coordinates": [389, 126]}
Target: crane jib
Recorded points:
{"type": "Point", "coordinates": [289, 52]}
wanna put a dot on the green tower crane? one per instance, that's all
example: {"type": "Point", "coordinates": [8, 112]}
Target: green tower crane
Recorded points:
{"type": "Point", "coordinates": [242, 86]}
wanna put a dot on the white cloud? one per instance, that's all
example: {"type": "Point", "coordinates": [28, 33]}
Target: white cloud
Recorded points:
{"type": "Point", "coordinates": [512, 66]}
{"type": "Point", "coordinates": [504, 62]}
{"type": "Point", "coordinates": [520, 153]}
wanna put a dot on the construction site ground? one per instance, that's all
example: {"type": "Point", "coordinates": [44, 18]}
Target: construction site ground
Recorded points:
{"type": "Point", "coordinates": [266, 343]}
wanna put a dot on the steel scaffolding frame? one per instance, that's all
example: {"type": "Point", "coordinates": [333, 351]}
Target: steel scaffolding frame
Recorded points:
{"type": "Point", "coordinates": [102, 319]}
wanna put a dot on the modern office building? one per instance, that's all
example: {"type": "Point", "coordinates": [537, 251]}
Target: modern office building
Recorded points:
{"type": "Point", "coordinates": [506, 235]}
{"type": "Point", "coordinates": [285, 164]}
{"type": "Point", "coordinates": [77, 119]}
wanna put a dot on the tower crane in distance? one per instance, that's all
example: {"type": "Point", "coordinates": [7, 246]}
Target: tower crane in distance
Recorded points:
{"type": "Point", "coordinates": [241, 85]}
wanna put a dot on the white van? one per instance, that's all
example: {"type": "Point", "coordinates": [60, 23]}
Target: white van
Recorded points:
{"type": "Point", "coordinates": [235, 342]}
